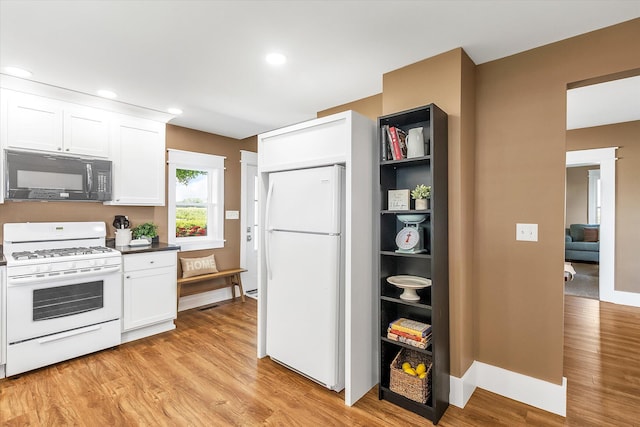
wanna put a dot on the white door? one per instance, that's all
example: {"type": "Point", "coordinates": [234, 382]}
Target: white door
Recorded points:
{"type": "Point", "coordinates": [249, 222]}
{"type": "Point", "coordinates": [306, 200]}
{"type": "Point", "coordinates": [303, 304]}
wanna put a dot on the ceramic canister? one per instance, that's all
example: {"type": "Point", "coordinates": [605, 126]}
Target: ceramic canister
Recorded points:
{"type": "Point", "coordinates": [415, 143]}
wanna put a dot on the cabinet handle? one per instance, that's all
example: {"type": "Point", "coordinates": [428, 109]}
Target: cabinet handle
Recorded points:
{"type": "Point", "coordinates": [59, 148]}
{"type": "Point", "coordinates": [151, 262]}
{"type": "Point", "coordinates": [66, 149]}
{"type": "Point", "coordinates": [128, 277]}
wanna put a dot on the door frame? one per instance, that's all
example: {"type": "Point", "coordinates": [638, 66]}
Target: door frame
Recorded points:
{"type": "Point", "coordinates": [606, 158]}
{"type": "Point", "coordinates": [247, 158]}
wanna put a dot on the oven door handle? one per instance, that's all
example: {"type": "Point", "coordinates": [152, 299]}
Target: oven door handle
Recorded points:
{"type": "Point", "coordinates": [26, 280]}
{"type": "Point", "coordinates": [68, 334]}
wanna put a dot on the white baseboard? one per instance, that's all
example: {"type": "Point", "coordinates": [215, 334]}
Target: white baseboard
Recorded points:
{"type": "Point", "coordinates": [147, 331]}
{"type": "Point", "coordinates": [205, 298]}
{"type": "Point", "coordinates": [461, 389]}
{"type": "Point", "coordinates": [532, 391]}
{"type": "Point", "coordinates": [621, 297]}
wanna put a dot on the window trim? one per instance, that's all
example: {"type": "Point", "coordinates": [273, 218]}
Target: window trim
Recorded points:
{"type": "Point", "coordinates": [213, 164]}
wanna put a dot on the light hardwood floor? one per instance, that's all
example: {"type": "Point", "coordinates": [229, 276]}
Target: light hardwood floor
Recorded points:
{"type": "Point", "coordinates": [205, 373]}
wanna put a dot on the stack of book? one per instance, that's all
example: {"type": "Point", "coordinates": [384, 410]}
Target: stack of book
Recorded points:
{"type": "Point", "coordinates": [393, 143]}
{"type": "Point", "coordinates": [411, 332]}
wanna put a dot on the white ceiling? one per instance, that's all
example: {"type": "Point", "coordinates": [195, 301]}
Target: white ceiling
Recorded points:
{"type": "Point", "coordinates": [207, 57]}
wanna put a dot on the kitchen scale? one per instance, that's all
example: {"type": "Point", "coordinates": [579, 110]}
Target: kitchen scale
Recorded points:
{"type": "Point", "coordinates": [409, 238]}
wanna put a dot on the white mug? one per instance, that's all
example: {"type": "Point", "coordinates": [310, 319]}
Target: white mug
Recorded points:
{"type": "Point", "coordinates": [415, 143]}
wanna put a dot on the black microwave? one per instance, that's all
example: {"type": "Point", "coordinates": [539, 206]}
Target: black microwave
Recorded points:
{"type": "Point", "coordinates": [41, 176]}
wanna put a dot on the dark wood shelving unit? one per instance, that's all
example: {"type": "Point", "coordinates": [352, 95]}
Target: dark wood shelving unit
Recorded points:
{"type": "Point", "coordinates": [433, 306]}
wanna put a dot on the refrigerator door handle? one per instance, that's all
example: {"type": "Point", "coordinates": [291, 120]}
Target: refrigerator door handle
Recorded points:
{"type": "Point", "coordinates": [268, 230]}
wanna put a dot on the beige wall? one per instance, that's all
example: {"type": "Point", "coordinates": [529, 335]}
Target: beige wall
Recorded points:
{"type": "Point", "coordinates": [181, 138]}
{"type": "Point", "coordinates": [520, 173]}
{"type": "Point", "coordinates": [178, 138]}
{"type": "Point", "coordinates": [627, 137]}
{"type": "Point", "coordinates": [577, 192]}
{"type": "Point", "coordinates": [507, 165]}
{"type": "Point", "coordinates": [448, 80]}
{"type": "Point", "coordinates": [370, 107]}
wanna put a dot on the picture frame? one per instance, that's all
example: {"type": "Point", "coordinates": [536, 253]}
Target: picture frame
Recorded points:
{"type": "Point", "coordinates": [398, 200]}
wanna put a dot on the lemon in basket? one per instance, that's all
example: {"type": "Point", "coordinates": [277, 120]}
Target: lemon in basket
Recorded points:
{"type": "Point", "coordinates": [422, 375]}
{"type": "Point", "coordinates": [421, 369]}
{"type": "Point", "coordinates": [406, 365]}
{"type": "Point", "coordinates": [411, 372]}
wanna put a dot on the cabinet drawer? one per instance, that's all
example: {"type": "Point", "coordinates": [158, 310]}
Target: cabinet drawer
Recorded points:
{"type": "Point", "coordinates": [149, 260]}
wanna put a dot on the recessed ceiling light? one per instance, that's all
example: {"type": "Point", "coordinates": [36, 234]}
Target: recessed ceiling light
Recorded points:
{"type": "Point", "coordinates": [107, 94]}
{"type": "Point", "coordinates": [175, 111]}
{"type": "Point", "coordinates": [18, 72]}
{"type": "Point", "coordinates": [276, 59]}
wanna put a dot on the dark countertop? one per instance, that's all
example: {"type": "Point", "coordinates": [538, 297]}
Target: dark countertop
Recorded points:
{"type": "Point", "coordinates": [154, 247]}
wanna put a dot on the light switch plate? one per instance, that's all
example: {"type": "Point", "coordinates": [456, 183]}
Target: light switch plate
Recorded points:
{"type": "Point", "coordinates": [232, 214]}
{"type": "Point", "coordinates": [527, 232]}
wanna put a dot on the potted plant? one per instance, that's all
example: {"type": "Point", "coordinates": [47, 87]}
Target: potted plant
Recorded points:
{"type": "Point", "coordinates": [147, 230]}
{"type": "Point", "coordinates": [421, 194]}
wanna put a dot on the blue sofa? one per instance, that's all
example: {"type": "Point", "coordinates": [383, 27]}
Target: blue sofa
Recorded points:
{"type": "Point", "coordinates": [576, 249]}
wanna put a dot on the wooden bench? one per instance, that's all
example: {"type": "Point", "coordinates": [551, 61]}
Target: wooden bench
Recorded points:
{"type": "Point", "coordinates": [232, 279]}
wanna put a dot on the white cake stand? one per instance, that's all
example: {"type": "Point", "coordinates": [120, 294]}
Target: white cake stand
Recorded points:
{"type": "Point", "coordinates": [409, 284]}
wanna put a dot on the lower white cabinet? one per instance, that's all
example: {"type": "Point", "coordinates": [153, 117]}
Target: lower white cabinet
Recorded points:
{"type": "Point", "coordinates": [3, 322]}
{"type": "Point", "coordinates": [149, 294]}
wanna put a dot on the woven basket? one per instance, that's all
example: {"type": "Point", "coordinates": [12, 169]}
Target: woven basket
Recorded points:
{"type": "Point", "coordinates": [414, 388]}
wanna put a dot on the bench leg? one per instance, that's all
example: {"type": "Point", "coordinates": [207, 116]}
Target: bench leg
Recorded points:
{"type": "Point", "coordinates": [234, 281]}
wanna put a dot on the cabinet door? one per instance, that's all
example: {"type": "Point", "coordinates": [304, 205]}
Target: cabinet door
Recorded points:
{"type": "Point", "coordinates": [86, 131]}
{"type": "Point", "coordinates": [149, 296]}
{"type": "Point", "coordinates": [138, 162]}
{"type": "Point", "coordinates": [33, 122]}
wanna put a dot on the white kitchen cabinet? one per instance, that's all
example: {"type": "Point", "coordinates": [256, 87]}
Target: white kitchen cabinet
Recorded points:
{"type": "Point", "coordinates": [138, 155]}
{"type": "Point", "coordinates": [44, 124]}
{"type": "Point", "coordinates": [149, 294]}
{"type": "Point", "coordinates": [3, 322]}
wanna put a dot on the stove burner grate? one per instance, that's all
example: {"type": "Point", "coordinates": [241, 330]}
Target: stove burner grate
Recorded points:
{"type": "Point", "coordinates": [61, 252]}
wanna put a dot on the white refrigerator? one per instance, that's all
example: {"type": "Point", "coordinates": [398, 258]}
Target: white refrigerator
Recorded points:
{"type": "Point", "coordinates": [304, 253]}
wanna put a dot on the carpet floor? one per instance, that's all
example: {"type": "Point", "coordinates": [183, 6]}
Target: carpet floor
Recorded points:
{"type": "Point", "coordinates": [586, 281]}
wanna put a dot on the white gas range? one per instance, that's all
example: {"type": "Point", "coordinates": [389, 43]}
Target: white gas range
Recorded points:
{"type": "Point", "coordinates": [63, 294]}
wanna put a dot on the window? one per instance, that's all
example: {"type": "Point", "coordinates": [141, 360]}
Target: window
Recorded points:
{"type": "Point", "coordinates": [196, 200]}
{"type": "Point", "coordinates": [595, 203]}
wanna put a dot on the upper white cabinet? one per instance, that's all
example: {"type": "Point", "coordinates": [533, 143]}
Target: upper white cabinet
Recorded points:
{"type": "Point", "coordinates": [86, 131]}
{"type": "Point", "coordinates": [45, 124]}
{"type": "Point", "coordinates": [138, 155]}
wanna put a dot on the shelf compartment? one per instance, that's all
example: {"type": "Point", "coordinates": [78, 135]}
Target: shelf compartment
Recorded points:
{"type": "Point", "coordinates": [395, 264]}
{"type": "Point", "coordinates": [389, 228]}
{"type": "Point", "coordinates": [418, 408]}
{"type": "Point", "coordinates": [403, 178]}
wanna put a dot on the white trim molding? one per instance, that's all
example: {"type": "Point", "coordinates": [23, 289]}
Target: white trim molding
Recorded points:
{"type": "Point", "coordinates": [532, 391]}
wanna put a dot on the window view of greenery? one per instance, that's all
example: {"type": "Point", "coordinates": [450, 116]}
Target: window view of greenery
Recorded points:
{"type": "Point", "coordinates": [191, 202]}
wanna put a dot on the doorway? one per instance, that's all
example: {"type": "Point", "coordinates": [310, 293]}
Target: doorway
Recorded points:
{"type": "Point", "coordinates": [605, 158]}
{"type": "Point", "coordinates": [582, 212]}
{"type": "Point", "coordinates": [248, 222]}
